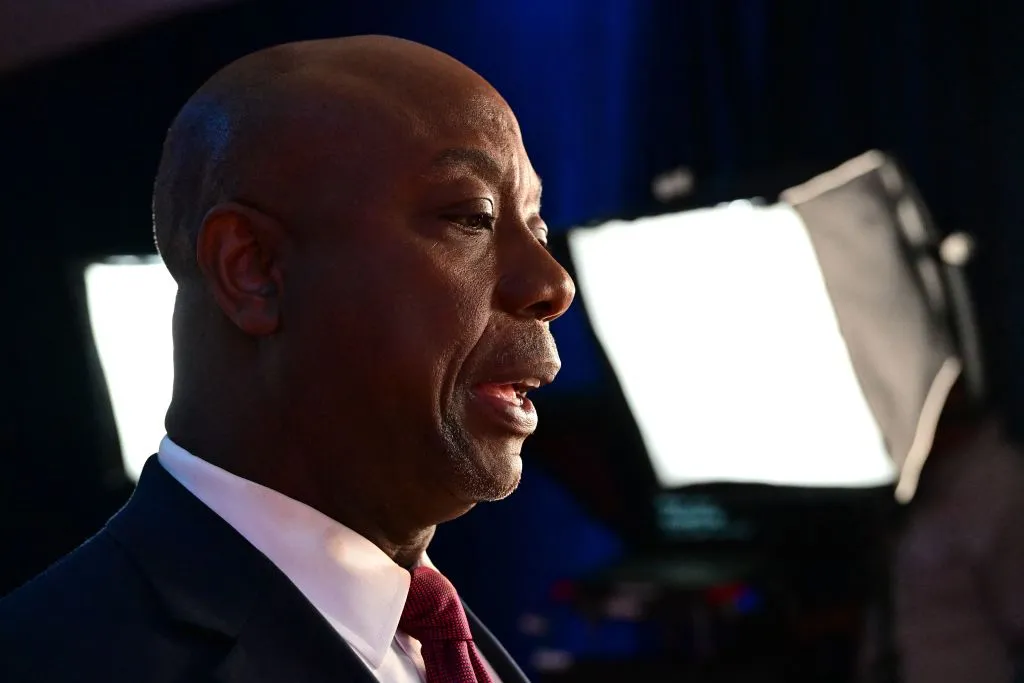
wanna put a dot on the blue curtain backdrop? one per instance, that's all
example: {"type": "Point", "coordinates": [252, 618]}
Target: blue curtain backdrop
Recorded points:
{"type": "Point", "coordinates": [609, 93]}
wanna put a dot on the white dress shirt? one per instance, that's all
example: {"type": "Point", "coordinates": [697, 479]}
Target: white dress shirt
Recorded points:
{"type": "Point", "coordinates": [358, 589]}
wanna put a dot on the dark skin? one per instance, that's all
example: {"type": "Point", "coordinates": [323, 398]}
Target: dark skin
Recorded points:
{"type": "Point", "coordinates": [372, 267]}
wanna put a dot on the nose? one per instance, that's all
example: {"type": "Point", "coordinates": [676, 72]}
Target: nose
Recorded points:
{"type": "Point", "coordinates": [533, 284]}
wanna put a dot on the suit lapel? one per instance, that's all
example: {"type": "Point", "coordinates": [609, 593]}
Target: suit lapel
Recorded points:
{"type": "Point", "coordinates": [313, 651]}
{"type": "Point", "coordinates": [212, 579]}
{"type": "Point", "coordinates": [496, 655]}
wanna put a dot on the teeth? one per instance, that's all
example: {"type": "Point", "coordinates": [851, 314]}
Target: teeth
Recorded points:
{"type": "Point", "coordinates": [514, 393]}
{"type": "Point", "coordinates": [506, 392]}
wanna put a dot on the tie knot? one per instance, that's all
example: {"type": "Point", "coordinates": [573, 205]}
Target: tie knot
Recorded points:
{"type": "Point", "coordinates": [433, 611]}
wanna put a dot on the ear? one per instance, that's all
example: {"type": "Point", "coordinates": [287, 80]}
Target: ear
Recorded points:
{"type": "Point", "coordinates": [239, 251]}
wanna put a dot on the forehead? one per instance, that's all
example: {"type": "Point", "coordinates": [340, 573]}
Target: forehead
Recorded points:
{"type": "Point", "coordinates": [486, 143]}
{"type": "Point", "coordinates": [377, 139]}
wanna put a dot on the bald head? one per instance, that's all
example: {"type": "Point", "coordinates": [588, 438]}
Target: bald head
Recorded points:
{"type": "Point", "coordinates": [292, 126]}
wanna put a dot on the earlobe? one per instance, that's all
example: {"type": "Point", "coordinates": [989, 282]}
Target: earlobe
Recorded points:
{"type": "Point", "coordinates": [239, 251]}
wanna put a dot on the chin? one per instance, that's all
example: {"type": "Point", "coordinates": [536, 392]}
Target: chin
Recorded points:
{"type": "Point", "coordinates": [501, 487]}
{"type": "Point", "coordinates": [484, 466]}
{"type": "Point", "coordinates": [490, 476]}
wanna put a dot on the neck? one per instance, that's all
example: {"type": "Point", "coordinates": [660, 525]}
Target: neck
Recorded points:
{"type": "Point", "coordinates": [404, 553]}
{"type": "Point", "coordinates": [264, 458]}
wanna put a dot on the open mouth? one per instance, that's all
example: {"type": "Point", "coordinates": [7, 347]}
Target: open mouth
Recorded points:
{"type": "Point", "coordinates": [505, 405]}
{"type": "Point", "coordinates": [513, 393]}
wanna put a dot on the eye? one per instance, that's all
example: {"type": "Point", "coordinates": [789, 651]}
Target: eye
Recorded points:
{"type": "Point", "coordinates": [473, 221]}
{"type": "Point", "coordinates": [542, 236]}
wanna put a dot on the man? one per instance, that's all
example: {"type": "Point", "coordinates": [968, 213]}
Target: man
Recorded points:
{"type": "Point", "coordinates": [363, 302]}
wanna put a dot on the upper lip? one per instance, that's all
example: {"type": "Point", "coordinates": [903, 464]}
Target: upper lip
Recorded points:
{"type": "Point", "coordinates": [526, 375]}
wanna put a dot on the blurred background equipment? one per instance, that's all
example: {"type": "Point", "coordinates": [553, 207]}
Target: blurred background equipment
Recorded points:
{"type": "Point", "coordinates": [780, 368]}
{"type": "Point", "coordinates": [725, 343]}
{"type": "Point", "coordinates": [811, 343]}
{"type": "Point", "coordinates": [130, 302]}
{"type": "Point", "coordinates": [902, 307]}
{"type": "Point", "coordinates": [630, 110]}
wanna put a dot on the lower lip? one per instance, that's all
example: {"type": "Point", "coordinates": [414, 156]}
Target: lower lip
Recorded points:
{"type": "Point", "coordinates": [514, 417]}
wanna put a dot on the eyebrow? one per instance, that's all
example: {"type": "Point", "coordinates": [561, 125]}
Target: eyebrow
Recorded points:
{"type": "Point", "coordinates": [477, 161]}
{"type": "Point", "coordinates": [471, 158]}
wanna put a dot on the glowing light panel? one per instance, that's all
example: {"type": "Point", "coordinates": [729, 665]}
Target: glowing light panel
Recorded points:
{"type": "Point", "coordinates": [130, 304]}
{"type": "Point", "coordinates": [722, 335]}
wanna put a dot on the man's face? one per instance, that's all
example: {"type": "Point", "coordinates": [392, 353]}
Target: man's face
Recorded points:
{"type": "Point", "coordinates": [417, 318]}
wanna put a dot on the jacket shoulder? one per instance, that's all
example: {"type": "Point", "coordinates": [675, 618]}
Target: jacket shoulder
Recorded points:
{"type": "Point", "coordinates": [93, 616]}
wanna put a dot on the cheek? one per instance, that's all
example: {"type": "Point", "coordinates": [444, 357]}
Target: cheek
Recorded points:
{"type": "Point", "coordinates": [441, 312]}
{"type": "Point", "coordinates": [390, 342]}
{"type": "Point", "coordinates": [437, 321]}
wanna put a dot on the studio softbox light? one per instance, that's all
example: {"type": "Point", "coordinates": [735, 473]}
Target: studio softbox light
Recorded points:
{"type": "Point", "coordinates": [802, 344]}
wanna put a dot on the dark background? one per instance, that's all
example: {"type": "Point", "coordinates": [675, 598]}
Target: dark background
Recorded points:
{"type": "Point", "coordinates": [750, 96]}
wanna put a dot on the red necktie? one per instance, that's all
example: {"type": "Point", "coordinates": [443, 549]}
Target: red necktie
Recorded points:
{"type": "Point", "coordinates": [434, 616]}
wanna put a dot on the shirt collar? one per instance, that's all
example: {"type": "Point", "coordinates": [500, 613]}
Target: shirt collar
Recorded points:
{"type": "Point", "coordinates": [357, 588]}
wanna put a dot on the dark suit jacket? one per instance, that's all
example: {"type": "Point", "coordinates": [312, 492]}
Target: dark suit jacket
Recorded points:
{"type": "Point", "coordinates": [168, 591]}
